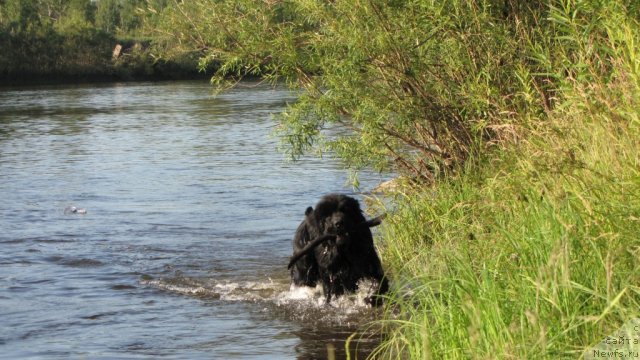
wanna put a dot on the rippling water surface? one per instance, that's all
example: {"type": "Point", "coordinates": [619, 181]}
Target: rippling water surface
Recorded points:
{"type": "Point", "coordinates": [182, 252]}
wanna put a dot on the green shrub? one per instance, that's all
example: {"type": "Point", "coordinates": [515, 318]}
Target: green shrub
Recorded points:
{"type": "Point", "coordinates": [534, 251]}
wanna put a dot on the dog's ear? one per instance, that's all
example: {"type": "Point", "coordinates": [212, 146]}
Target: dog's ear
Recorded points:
{"type": "Point", "coordinates": [308, 211]}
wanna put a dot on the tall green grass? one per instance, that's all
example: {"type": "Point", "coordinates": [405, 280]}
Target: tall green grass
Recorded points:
{"type": "Point", "coordinates": [534, 250]}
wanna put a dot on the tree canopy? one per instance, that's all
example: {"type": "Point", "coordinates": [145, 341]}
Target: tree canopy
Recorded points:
{"type": "Point", "coordinates": [417, 86]}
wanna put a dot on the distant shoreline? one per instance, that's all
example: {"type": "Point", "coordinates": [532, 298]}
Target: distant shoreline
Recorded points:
{"type": "Point", "coordinates": [27, 79]}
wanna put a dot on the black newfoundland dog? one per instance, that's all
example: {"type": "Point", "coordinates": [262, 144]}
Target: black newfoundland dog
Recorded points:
{"type": "Point", "coordinates": [333, 245]}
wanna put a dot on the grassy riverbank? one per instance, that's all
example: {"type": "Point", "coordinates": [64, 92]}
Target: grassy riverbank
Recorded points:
{"type": "Point", "coordinates": [536, 255]}
{"type": "Point", "coordinates": [534, 250]}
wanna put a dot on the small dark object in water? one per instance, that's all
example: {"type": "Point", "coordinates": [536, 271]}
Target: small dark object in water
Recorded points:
{"type": "Point", "coordinates": [74, 210]}
{"type": "Point", "coordinates": [334, 245]}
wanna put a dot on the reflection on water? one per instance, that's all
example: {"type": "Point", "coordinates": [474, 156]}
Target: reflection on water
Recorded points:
{"type": "Point", "coordinates": [189, 217]}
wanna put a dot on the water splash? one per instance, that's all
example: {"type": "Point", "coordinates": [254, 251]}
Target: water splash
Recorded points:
{"type": "Point", "coordinates": [298, 303]}
{"type": "Point", "coordinates": [226, 290]}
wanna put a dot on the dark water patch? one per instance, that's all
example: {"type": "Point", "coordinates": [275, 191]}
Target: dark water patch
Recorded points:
{"type": "Point", "coordinates": [13, 241]}
{"type": "Point", "coordinates": [19, 289]}
{"type": "Point", "coordinates": [136, 346]}
{"type": "Point", "coordinates": [53, 258]}
{"type": "Point", "coordinates": [98, 316]}
{"type": "Point", "coordinates": [16, 261]}
{"type": "Point", "coordinates": [39, 282]}
{"type": "Point", "coordinates": [74, 262]}
{"type": "Point", "coordinates": [82, 263]}
{"type": "Point", "coordinates": [69, 289]}
{"type": "Point", "coordinates": [55, 240]}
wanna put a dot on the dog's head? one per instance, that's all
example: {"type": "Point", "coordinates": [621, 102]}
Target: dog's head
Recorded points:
{"type": "Point", "coordinates": [336, 215]}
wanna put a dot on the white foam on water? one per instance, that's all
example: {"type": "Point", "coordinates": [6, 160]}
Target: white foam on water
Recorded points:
{"type": "Point", "coordinates": [278, 298]}
{"type": "Point", "coordinates": [277, 292]}
{"type": "Point", "coordinates": [184, 289]}
{"type": "Point", "coordinates": [315, 297]}
{"type": "Point", "coordinates": [224, 290]}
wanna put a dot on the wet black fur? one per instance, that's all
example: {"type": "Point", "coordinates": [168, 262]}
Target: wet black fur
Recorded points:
{"type": "Point", "coordinates": [340, 262]}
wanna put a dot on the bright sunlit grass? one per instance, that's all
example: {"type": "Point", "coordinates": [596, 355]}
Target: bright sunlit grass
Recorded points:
{"type": "Point", "coordinates": [534, 252]}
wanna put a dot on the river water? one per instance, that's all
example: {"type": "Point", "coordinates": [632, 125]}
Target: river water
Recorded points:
{"type": "Point", "coordinates": [182, 251]}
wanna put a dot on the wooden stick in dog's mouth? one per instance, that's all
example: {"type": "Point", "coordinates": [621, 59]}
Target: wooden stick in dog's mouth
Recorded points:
{"type": "Point", "coordinates": [319, 240]}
